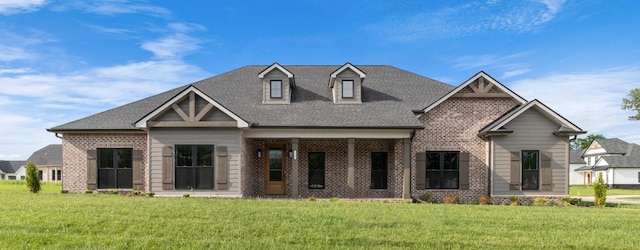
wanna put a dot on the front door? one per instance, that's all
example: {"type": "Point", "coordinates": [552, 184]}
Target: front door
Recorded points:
{"type": "Point", "coordinates": [274, 174]}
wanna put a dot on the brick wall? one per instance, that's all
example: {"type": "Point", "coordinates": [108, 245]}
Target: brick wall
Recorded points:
{"type": "Point", "coordinates": [454, 125]}
{"type": "Point", "coordinates": [74, 155]}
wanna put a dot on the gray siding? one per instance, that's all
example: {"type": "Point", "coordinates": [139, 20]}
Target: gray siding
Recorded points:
{"type": "Point", "coordinates": [532, 131]}
{"type": "Point", "coordinates": [231, 138]}
{"type": "Point", "coordinates": [348, 74]}
{"type": "Point", "coordinates": [276, 74]}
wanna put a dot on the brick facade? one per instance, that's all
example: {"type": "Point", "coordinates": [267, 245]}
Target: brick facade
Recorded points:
{"type": "Point", "coordinates": [453, 126]}
{"type": "Point", "coordinates": [74, 155]}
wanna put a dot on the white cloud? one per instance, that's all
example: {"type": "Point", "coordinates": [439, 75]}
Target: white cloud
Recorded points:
{"type": "Point", "coordinates": [8, 7]}
{"type": "Point", "coordinates": [177, 44]}
{"type": "Point", "coordinates": [509, 65]}
{"type": "Point", "coordinates": [590, 100]}
{"type": "Point", "coordinates": [10, 53]}
{"type": "Point", "coordinates": [115, 7]}
{"type": "Point", "coordinates": [470, 19]}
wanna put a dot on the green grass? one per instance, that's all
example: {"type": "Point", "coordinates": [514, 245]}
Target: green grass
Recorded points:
{"type": "Point", "coordinates": [582, 190]}
{"type": "Point", "coordinates": [69, 221]}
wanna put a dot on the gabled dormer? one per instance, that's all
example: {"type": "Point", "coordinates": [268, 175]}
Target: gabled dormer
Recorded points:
{"type": "Point", "coordinates": [277, 84]}
{"type": "Point", "coordinates": [346, 84]}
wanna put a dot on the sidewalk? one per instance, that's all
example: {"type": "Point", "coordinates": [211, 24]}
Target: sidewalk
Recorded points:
{"type": "Point", "coordinates": [623, 199]}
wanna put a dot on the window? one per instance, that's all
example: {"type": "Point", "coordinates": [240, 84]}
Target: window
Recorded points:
{"type": "Point", "coordinates": [638, 177]}
{"type": "Point", "coordinates": [347, 89]}
{"type": "Point", "coordinates": [276, 89]}
{"type": "Point", "coordinates": [316, 170]}
{"type": "Point", "coordinates": [442, 170]}
{"type": "Point", "coordinates": [194, 167]}
{"type": "Point", "coordinates": [12, 177]}
{"type": "Point", "coordinates": [530, 169]}
{"type": "Point", "coordinates": [378, 170]}
{"type": "Point", "coordinates": [115, 168]}
{"type": "Point", "coordinates": [58, 175]}
{"type": "Point", "coordinates": [40, 174]}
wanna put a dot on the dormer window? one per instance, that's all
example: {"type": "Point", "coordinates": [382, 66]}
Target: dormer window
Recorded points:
{"type": "Point", "coordinates": [275, 87]}
{"type": "Point", "coordinates": [277, 84]}
{"type": "Point", "coordinates": [346, 84]}
{"type": "Point", "coordinates": [347, 89]}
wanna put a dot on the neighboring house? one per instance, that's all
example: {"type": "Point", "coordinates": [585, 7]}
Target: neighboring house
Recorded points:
{"type": "Point", "coordinates": [324, 131]}
{"type": "Point", "coordinates": [576, 162]}
{"type": "Point", "coordinates": [618, 162]}
{"type": "Point", "coordinates": [48, 161]}
{"type": "Point", "coordinates": [12, 170]}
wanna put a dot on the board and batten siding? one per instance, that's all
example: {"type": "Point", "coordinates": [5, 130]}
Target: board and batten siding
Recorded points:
{"type": "Point", "coordinates": [230, 138]}
{"type": "Point", "coordinates": [532, 131]}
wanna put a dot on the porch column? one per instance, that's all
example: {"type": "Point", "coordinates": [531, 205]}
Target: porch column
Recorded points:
{"type": "Point", "coordinates": [351, 170]}
{"type": "Point", "coordinates": [406, 168]}
{"type": "Point", "coordinates": [294, 168]}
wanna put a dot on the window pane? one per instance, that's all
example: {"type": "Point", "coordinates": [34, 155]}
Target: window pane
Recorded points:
{"type": "Point", "coordinates": [125, 178]}
{"type": "Point", "coordinates": [204, 177]}
{"type": "Point", "coordinates": [275, 175]}
{"type": "Point", "coordinates": [183, 177]}
{"type": "Point", "coordinates": [379, 170]}
{"type": "Point", "coordinates": [433, 179]}
{"type": "Point", "coordinates": [316, 170]}
{"type": "Point", "coordinates": [59, 175]}
{"type": "Point", "coordinates": [124, 158]}
{"type": "Point", "coordinates": [529, 179]}
{"type": "Point", "coordinates": [433, 161]}
{"type": "Point", "coordinates": [106, 178]}
{"type": "Point", "coordinates": [205, 156]}
{"type": "Point", "coordinates": [184, 156]}
{"type": "Point", "coordinates": [276, 89]}
{"type": "Point", "coordinates": [347, 89]}
{"type": "Point", "coordinates": [450, 160]}
{"type": "Point", "coordinates": [275, 158]}
{"type": "Point", "coordinates": [449, 179]}
{"type": "Point", "coordinates": [530, 160]}
{"type": "Point", "coordinates": [105, 158]}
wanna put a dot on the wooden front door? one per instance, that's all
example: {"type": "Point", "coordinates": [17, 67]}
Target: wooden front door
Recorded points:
{"type": "Point", "coordinates": [274, 174]}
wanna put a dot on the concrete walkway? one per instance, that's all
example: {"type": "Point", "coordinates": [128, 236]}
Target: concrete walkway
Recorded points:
{"type": "Point", "coordinates": [623, 199]}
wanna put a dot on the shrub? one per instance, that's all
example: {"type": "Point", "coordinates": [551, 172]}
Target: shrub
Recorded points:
{"type": "Point", "coordinates": [514, 200]}
{"type": "Point", "coordinates": [113, 191]}
{"type": "Point", "coordinates": [540, 201]}
{"type": "Point", "coordinates": [312, 198]}
{"type": "Point", "coordinates": [88, 191]}
{"type": "Point", "coordinates": [426, 197]}
{"type": "Point", "coordinates": [484, 200]}
{"type": "Point", "coordinates": [334, 199]}
{"type": "Point", "coordinates": [186, 195]}
{"type": "Point", "coordinates": [33, 179]}
{"type": "Point", "coordinates": [449, 200]}
{"type": "Point", "coordinates": [136, 192]}
{"type": "Point", "coordinates": [64, 191]}
{"type": "Point", "coordinates": [600, 192]}
{"type": "Point", "coordinates": [552, 203]}
{"type": "Point", "coordinates": [149, 194]}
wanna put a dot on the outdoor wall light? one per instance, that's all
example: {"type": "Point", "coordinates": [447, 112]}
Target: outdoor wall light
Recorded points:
{"type": "Point", "coordinates": [293, 154]}
{"type": "Point", "coordinates": [259, 153]}
{"type": "Point", "coordinates": [290, 154]}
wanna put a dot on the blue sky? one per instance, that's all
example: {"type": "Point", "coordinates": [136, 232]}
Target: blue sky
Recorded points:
{"type": "Point", "coordinates": [64, 60]}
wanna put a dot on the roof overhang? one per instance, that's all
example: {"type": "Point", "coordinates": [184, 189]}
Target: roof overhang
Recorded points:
{"type": "Point", "coordinates": [142, 123]}
{"type": "Point", "coordinates": [319, 133]}
{"type": "Point", "coordinates": [279, 67]}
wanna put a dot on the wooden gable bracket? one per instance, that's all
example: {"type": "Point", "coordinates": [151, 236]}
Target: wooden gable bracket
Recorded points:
{"type": "Point", "coordinates": [192, 119]}
{"type": "Point", "coordinates": [482, 90]}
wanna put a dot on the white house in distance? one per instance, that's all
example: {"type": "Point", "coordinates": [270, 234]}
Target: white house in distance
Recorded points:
{"type": "Point", "coordinates": [576, 162]}
{"type": "Point", "coordinates": [617, 160]}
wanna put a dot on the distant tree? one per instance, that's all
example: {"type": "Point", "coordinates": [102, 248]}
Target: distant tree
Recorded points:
{"type": "Point", "coordinates": [600, 192]}
{"type": "Point", "coordinates": [633, 103]}
{"type": "Point", "coordinates": [33, 180]}
{"type": "Point", "coordinates": [582, 143]}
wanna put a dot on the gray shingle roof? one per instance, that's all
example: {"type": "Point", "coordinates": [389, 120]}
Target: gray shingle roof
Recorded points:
{"type": "Point", "coordinates": [631, 159]}
{"type": "Point", "coordinates": [575, 157]}
{"type": "Point", "coordinates": [11, 166]}
{"type": "Point", "coordinates": [613, 145]}
{"type": "Point", "coordinates": [389, 95]}
{"type": "Point", "coordinates": [50, 155]}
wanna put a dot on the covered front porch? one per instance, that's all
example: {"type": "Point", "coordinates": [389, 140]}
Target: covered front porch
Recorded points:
{"type": "Point", "coordinates": [301, 163]}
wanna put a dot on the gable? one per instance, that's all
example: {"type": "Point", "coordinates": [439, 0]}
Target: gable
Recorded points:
{"type": "Point", "coordinates": [191, 108]}
{"type": "Point", "coordinates": [481, 85]}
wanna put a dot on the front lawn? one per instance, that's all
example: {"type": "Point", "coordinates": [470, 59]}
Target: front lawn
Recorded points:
{"type": "Point", "coordinates": [583, 190]}
{"type": "Point", "coordinates": [71, 221]}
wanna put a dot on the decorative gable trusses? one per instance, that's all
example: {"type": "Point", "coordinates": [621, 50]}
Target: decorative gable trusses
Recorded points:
{"type": "Point", "coordinates": [191, 108]}
{"type": "Point", "coordinates": [346, 84]}
{"type": "Point", "coordinates": [481, 85]}
{"type": "Point", "coordinates": [497, 127]}
{"type": "Point", "coordinates": [277, 84]}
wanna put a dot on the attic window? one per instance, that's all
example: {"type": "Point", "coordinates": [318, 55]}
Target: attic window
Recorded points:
{"type": "Point", "coordinates": [347, 89]}
{"type": "Point", "coordinates": [275, 87]}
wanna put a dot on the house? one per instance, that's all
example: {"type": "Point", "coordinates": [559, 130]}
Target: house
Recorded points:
{"type": "Point", "coordinates": [576, 162]}
{"type": "Point", "coordinates": [365, 131]}
{"type": "Point", "coordinates": [12, 170]}
{"type": "Point", "coordinates": [618, 162]}
{"type": "Point", "coordinates": [48, 161]}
